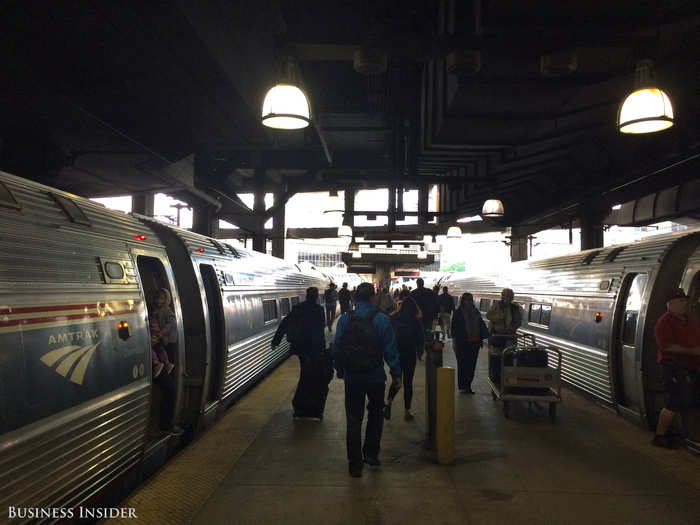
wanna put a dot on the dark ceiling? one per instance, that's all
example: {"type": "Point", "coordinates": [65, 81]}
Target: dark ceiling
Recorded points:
{"type": "Point", "coordinates": [107, 98]}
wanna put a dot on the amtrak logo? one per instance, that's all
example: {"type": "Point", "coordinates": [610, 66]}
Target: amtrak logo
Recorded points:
{"type": "Point", "coordinates": [71, 361]}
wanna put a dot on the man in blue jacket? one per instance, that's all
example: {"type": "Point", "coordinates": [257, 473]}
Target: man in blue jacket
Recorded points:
{"type": "Point", "coordinates": [365, 381]}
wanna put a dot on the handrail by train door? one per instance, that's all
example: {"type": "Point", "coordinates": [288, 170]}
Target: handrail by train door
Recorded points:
{"type": "Point", "coordinates": [216, 331]}
{"type": "Point", "coordinates": [627, 339]}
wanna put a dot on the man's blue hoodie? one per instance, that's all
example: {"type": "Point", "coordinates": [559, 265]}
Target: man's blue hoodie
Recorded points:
{"type": "Point", "coordinates": [382, 325]}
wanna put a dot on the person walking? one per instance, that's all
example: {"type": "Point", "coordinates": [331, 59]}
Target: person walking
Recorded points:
{"type": "Point", "coordinates": [427, 303]}
{"type": "Point", "coordinates": [468, 332]}
{"type": "Point", "coordinates": [304, 327]}
{"type": "Point", "coordinates": [409, 336]}
{"type": "Point", "coordinates": [504, 320]}
{"type": "Point", "coordinates": [364, 340]}
{"type": "Point", "coordinates": [382, 301]}
{"type": "Point", "coordinates": [677, 337]}
{"type": "Point", "coordinates": [447, 306]}
{"type": "Point", "coordinates": [330, 298]}
{"type": "Point", "coordinates": [344, 298]}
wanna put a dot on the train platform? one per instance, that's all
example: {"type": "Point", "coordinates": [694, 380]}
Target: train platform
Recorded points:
{"type": "Point", "coordinates": [258, 465]}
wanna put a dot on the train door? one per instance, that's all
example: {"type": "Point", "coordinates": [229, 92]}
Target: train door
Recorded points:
{"type": "Point", "coordinates": [153, 278]}
{"type": "Point", "coordinates": [216, 330]}
{"type": "Point", "coordinates": [627, 367]}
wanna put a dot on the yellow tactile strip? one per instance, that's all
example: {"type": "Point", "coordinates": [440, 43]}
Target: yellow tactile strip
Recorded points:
{"type": "Point", "coordinates": [176, 493]}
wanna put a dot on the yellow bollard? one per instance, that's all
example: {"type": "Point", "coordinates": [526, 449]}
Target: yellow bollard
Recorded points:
{"type": "Point", "coordinates": [445, 424]}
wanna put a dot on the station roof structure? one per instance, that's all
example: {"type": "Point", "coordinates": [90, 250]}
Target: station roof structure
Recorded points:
{"type": "Point", "coordinates": [485, 98]}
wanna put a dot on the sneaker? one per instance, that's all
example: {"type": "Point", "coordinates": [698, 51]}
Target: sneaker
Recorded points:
{"type": "Point", "coordinates": [408, 416]}
{"type": "Point", "coordinates": [355, 470]}
{"type": "Point", "coordinates": [373, 461]}
{"type": "Point", "coordinates": [157, 369]}
{"type": "Point", "coordinates": [661, 441]}
{"type": "Point", "coordinates": [169, 367]}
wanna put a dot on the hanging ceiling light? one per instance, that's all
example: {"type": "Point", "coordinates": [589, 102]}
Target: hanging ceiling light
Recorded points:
{"type": "Point", "coordinates": [353, 246]}
{"type": "Point", "coordinates": [422, 254]}
{"type": "Point", "coordinates": [454, 232]}
{"type": "Point", "coordinates": [647, 109]}
{"type": "Point", "coordinates": [286, 107]}
{"type": "Point", "coordinates": [493, 208]}
{"type": "Point", "coordinates": [344, 231]}
{"type": "Point", "coordinates": [357, 255]}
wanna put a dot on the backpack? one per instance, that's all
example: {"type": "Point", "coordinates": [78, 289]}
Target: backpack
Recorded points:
{"type": "Point", "coordinates": [360, 346]}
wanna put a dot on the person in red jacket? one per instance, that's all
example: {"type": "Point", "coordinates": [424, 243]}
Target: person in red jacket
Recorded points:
{"type": "Point", "coordinates": [678, 353]}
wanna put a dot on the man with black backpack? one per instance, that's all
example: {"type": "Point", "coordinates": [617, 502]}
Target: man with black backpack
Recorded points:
{"type": "Point", "coordinates": [364, 339]}
{"type": "Point", "coordinates": [304, 327]}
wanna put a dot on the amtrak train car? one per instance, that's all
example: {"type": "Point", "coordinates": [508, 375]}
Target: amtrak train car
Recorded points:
{"type": "Point", "coordinates": [78, 409]}
{"type": "Point", "coordinates": [599, 308]}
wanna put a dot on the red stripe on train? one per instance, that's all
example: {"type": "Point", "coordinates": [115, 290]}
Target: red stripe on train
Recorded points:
{"type": "Point", "coordinates": [37, 320]}
{"type": "Point", "coordinates": [34, 309]}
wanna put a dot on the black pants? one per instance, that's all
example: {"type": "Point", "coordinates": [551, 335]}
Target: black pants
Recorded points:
{"type": "Point", "coordinates": [312, 388]}
{"type": "Point", "coordinates": [355, 394]}
{"type": "Point", "coordinates": [467, 353]}
{"type": "Point", "coordinates": [344, 307]}
{"type": "Point", "coordinates": [165, 382]}
{"type": "Point", "coordinates": [408, 368]}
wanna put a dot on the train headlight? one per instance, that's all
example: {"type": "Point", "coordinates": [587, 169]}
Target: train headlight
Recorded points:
{"type": "Point", "coordinates": [123, 330]}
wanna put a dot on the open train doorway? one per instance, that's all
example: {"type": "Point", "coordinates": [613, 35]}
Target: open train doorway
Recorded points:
{"type": "Point", "coordinates": [154, 279]}
{"type": "Point", "coordinates": [216, 331]}
{"type": "Point", "coordinates": [626, 361]}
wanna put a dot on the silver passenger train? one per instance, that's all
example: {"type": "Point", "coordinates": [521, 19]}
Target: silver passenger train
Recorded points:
{"type": "Point", "coordinates": [77, 405]}
{"type": "Point", "coordinates": [599, 307]}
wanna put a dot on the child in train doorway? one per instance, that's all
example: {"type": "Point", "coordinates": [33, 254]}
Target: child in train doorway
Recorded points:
{"type": "Point", "coordinates": [164, 326]}
{"type": "Point", "coordinates": [159, 353]}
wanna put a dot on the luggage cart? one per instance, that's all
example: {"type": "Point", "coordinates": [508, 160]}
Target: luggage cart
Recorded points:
{"type": "Point", "coordinates": [525, 383]}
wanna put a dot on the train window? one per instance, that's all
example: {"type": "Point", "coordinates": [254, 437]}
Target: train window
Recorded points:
{"type": "Point", "coordinates": [632, 307]}
{"type": "Point", "coordinates": [588, 259]}
{"type": "Point", "coordinates": [270, 310]}
{"type": "Point", "coordinates": [228, 278]}
{"type": "Point", "coordinates": [71, 209]}
{"type": "Point", "coordinates": [484, 305]}
{"type": "Point", "coordinates": [284, 306]}
{"type": "Point", "coordinates": [113, 272]}
{"type": "Point", "coordinates": [295, 301]}
{"type": "Point", "coordinates": [610, 257]}
{"type": "Point", "coordinates": [540, 314]}
{"type": "Point", "coordinates": [7, 198]}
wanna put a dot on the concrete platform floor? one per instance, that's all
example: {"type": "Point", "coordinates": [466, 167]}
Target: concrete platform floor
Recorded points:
{"type": "Point", "coordinates": [258, 466]}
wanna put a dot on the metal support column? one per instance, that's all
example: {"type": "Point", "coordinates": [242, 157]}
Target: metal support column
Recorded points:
{"type": "Point", "coordinates": [143, 203]}
{"type": "Point", "coordinates": [259, 240]}
{"type": "Point", "coordinates": [591, 228]}
{"type": "Point", "coordinates": [278, 228]}
{"type": "Point", "coordinates": [518, 245]}
{"type": "Point", "coordinates": [348, 216]}
{"type": "Point", "coordinates": [423, 193]}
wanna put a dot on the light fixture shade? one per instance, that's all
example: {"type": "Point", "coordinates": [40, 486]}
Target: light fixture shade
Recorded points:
{"type": "Point", "coordinates": [357, 255]}
{"type": "Point", "coordinates": [422, 254]}
{"type": "Point", "coordinates": [645, 111]}
{"type": "Point", "coordinates": [286, 107]}
{"type": "Point", "coordinates": [492, 208]}
{"type": "Point", "coordinates": [344, 231]}
{"type": "Point", "coordinates": [454, 232]}
{"type": "Point", "coordinates": [353, 246]}
{"type": "Point", "coordinates": [434, 247]}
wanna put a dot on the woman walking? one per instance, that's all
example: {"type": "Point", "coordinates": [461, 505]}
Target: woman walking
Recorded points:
{"type": "Point", "coordinates": [468, 332]}
{"type": "Point", "coordinates": [409, 341]}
